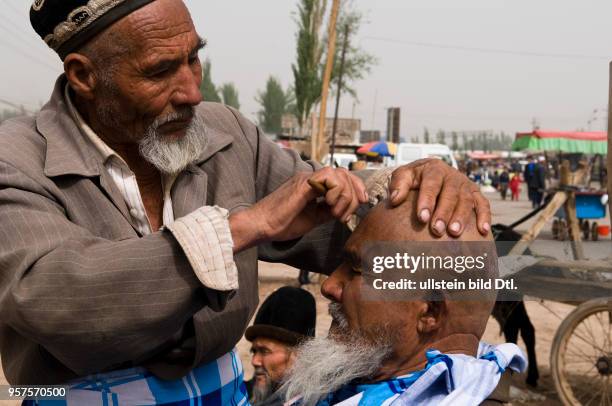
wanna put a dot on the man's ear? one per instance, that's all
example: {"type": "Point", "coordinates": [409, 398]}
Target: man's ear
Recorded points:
{"type": "Point", "coordinates": [80, 72]}
{"type": "Point", "coordinates": [430, 316]}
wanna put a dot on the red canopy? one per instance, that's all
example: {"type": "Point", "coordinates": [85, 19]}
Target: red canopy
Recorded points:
{"type": "Point", "coordinates": [479, 155]}
{"type": "Point", "coordinates": [572, 135]}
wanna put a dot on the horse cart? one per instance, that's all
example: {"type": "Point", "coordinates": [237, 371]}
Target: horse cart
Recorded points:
{"type": "Point", "coordinates": [581, 354]}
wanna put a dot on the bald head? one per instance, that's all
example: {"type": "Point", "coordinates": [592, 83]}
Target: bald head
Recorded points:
{"type": "Point", "coordinates": [386, 223]}
{"type": "Point", "coordinates": [460, 315]}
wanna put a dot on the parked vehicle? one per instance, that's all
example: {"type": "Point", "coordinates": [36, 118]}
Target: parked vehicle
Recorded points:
{"type": "Point", "coordinates": [407, 153]}
{"type": "Point", "coordinates": [342, 160]}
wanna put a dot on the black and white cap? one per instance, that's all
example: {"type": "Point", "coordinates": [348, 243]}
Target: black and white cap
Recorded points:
{"type": "Point", "coordinates": [66, 25]}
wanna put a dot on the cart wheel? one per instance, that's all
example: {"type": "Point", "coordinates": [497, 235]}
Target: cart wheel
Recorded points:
{"type": "Point", "coordinates": [555, 229]}
{"type": "Point", "coordinates": [594, 232]}
{"type": "Point", "coordinates": [586, 230]}
{"type": "Point", "coordinates": [581, 355]}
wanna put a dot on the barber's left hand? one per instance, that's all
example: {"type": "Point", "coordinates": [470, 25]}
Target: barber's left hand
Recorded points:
{"type": "Point", "coordinates": [447, 198]}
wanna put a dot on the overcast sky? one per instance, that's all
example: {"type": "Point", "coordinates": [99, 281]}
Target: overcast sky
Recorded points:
{"type": "Point", "coordinates": [482, 64]}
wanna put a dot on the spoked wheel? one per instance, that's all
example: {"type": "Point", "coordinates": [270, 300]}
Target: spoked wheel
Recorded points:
{"type": "Point", "coordinates": [581, 355]}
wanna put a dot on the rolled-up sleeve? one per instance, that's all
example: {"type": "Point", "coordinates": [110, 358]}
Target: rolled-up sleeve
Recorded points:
{"type": "Point", "coordinates": [206, 239]}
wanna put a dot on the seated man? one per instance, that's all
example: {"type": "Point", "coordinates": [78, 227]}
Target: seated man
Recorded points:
{"type": "Point", "coordinates": [423, 350]}
{"type": "Point", "coordinates": [285, 319]}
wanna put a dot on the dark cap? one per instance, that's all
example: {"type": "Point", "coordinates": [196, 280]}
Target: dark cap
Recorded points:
{"type": "Point", "coordinates": [288, 315]}
{"type": "Point", "coordinates": [66, 25]}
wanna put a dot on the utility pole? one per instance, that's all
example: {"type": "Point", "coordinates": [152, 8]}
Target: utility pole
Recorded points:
{"type": "Point", "coordinates": [342, 59]}
{"type": "Point", "coordinates": [318, 137]}
{"type": "Point", "coordinates": [610, 143]}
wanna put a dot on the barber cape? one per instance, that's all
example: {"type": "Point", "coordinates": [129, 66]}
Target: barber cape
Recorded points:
{"type": "Point", "coordinates": [447, 379]}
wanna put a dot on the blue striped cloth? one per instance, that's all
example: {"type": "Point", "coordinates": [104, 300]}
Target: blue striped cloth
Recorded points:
{"type": "Point", "coordinates": [219, 383]}
{"type": "Point", "coordinates": [447, 380]}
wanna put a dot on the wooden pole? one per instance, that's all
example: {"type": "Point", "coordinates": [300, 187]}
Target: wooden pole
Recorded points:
{"type": "Point", "coordinates": [610, 146]}
{"type": "Point", "coordinates": [335, 127]}
{"type": "Point", "coordinates": [318, 136]}
{"type": "Point", "coordinates": [570, 211]}
{"type": "Point", "coordinates": [558, 200]}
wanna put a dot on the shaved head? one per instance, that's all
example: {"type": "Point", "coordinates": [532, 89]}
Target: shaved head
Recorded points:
{"type": "Point", "coordinates": [396, 224]}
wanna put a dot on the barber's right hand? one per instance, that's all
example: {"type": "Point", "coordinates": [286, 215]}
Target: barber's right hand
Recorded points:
{"type": "Point", "coordinates": [293, 210]}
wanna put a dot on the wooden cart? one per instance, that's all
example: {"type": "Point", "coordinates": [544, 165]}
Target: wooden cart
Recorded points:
{"type": "Point", "coordinates": [581, 355]}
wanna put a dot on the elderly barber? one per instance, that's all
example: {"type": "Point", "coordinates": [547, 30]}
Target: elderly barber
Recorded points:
{"type": "Point", "coordinates": [133, 214]}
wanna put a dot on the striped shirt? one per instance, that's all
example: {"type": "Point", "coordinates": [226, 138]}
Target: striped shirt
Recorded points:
{"type": "Point", "coordinates": [205, 237]}
{"type": "Point", "coordinates": [204, 234]}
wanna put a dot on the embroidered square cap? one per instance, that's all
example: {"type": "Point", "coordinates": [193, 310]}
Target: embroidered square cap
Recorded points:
{"type": "Point", "coordinates": [66, 25]}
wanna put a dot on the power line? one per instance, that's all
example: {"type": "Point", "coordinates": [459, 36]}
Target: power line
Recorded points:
{"type": "Point", "coordinates": [51, 68]}
{"type": "Point", "coordinates": [486, 50]}
{"type": "Point", "coordinates": [18, 34]}
{"type": "Point", "coordinates": [13, 35]}
{"type": "Point", "coordinates": [14, 8]}
{"type": "Point", "coordinates": [15, 106]}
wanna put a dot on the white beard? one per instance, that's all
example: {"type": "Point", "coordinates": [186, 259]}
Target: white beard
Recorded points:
{"type": "Point", "coordinates": [325, 364]}
{"type": "Point", "coordinates": [171, 157]}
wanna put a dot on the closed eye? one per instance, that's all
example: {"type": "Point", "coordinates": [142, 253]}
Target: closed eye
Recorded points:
{"type": "Point", "coordinates": [353, 261]}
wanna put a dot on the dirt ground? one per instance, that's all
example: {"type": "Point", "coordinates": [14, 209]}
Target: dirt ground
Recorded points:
{"type": "Point", "coordinates": [273, 276]}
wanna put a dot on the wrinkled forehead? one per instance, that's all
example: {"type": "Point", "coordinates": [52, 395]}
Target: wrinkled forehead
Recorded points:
{"type": "Point", "coordinates": [159, 27]}
{"type": "Point", "coordinates": [385, 224]}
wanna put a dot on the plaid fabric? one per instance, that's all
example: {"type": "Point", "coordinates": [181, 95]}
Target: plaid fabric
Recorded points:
{"type": "Point", "coordinates": [448, 379]}
{"type": "Point", "coordinates": [219, 383]}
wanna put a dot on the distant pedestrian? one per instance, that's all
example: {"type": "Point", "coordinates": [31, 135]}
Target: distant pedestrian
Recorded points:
{"type": "Point", "coordinates": [537, 185]}
{"type": "Point", "coordinates": [504, 180]}
{"type": "Point", "coordinates": [515, 186]}
{"type": "Point", "coordinates": [528, 175]}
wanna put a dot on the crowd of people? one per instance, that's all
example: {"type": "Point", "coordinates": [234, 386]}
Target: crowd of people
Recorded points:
{"type": "Point", "coordinates": [510, 177]}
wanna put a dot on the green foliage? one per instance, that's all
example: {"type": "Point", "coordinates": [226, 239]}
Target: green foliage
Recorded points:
{"type": "Point", "coordinates": [426, 136]}
{"type": "Point", "coordinates": [455, 141]}
{"type": "Point", "coordinates": [306, 69]}
{"type": "Point", "coordinates": [480, 141]}
{"type": "Point", "coordinates": [309, 67]}
{"type": "Point", "coordinates": [274, 103]}
{"type": "Point", "coordinates": [358, 63]}
{"type": "Point", "coordinates": [5, 114]}
{"type": "Point", "coordinates": [230, 95]}
{"type": "Point", "coordinates": [207, 88]}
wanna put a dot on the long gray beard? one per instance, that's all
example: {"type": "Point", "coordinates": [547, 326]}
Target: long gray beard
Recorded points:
{"type": "Point", "coordinates": [263, 392]}
{"type": "Point", "coordinates": [171, 157]}
{"type": "Point", "coordinates": [325, 364]}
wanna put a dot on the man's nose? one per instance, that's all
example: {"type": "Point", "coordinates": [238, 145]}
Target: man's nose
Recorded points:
{"type": "Point", "coordinates": [332, 287]}
{"type": "Point", "coordinates": [187, 87]}
{"type": "Point", "coordinates": [256, 360]}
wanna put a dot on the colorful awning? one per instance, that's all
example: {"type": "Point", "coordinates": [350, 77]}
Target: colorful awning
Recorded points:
{"type": "Point", "coordinates": [563, 141]}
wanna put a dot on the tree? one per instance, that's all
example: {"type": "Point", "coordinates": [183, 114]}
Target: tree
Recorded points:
{"type": "Point", "coordinates": [358, 63]}
{"type": "Point", "coordinates": [207, 88]}
{"type": "Point", "coordinates": [274, 103]}
{"type": "Point", "coordinates": [455, 141]}
{"type": "Point", "coordinates": [230, 95]}
{"type": "Point", "coordinates": [311, 45]}
{"type": "Point", "coordinates": [426, 136]}
{"type": "Point", "coordinates": [441, 137]}
{"type": "Point", "coordinates": [306, 69]}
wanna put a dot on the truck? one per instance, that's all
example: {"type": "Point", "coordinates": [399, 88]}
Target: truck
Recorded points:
{"type": "Point", "coordinates": [408, 152]}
